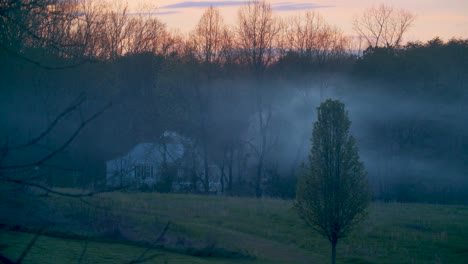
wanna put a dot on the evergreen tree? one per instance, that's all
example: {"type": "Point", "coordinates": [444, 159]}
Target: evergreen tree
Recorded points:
{"type": "Point", "coordinates": [332, 193]}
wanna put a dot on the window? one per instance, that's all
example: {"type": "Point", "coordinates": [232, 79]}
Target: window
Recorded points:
{"type": "Point", "coordinates": [143, 171]}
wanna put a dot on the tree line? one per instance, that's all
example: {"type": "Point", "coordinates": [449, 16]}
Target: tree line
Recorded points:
{"type": "Point", "coordinates": [105, 31]}
{"type": "Point", "coordinates": [229, 87]}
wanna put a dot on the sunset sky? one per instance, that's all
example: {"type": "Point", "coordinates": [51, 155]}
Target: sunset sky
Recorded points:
{"type": "Point", "coordinates": [443, 18]}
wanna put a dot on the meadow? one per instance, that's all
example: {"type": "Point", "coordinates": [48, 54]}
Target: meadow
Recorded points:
{"type": "Point", "coordinates": [119, 227]}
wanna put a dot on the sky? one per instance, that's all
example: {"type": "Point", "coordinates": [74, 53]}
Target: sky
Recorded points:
{"type": "Point", "coordinates": [442, 18]}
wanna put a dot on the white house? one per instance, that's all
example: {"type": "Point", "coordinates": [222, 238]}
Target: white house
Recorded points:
{"type": "Point", "coordinates": [142, 164]}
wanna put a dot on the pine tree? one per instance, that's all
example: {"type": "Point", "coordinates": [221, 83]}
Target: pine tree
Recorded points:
{"type": "Point", "coordinates": [332, 192]}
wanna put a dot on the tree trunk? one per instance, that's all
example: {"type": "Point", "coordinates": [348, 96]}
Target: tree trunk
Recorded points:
{"type": "Point", "coordinates": [230, 164]}
{"type": "Point", "coordinates": [206, 180]}
{"type": "Point", "coordinates": [333, 256]}
{"type": "Point", "coordinates": [258, 180]}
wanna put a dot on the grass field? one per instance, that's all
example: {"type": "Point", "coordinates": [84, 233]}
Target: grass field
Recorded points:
{"type": "Point", "coordinates": [213, 229]}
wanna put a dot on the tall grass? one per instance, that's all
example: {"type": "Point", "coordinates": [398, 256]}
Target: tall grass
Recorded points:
{"type": "Point", "coordinates": [267, 230]}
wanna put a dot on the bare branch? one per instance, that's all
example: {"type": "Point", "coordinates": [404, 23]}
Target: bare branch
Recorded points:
{"type": "Point", "coordinates": [6, 260]}
{"type": "Point", "coordinates": [63, 114]}
{"type": "Point", "coordinates": [30, 245]}
{"type": "Point", "coordinates": [142, 258]}
{"type": "Point", "coordinates": [40, 64]}
{"type": "Point", "coordinates": [83, 252]}
{"type": "Point", "coordinates": [383, 25]}
{"type": "Point", "coordinates": [50, 190]}
{"type": "Point", "coordinates": [60, 148]}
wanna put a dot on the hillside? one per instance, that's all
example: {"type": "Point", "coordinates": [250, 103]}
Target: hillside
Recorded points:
{"type": "Point", "coordinates": [118, 227]}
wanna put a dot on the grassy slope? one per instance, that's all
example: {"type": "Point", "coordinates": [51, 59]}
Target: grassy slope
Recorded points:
{"type": "Point", "coordinates": [265, 228]}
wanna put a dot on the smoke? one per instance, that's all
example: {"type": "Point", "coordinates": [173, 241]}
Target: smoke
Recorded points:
{"type": "Point", "coordinates": [402, 139]}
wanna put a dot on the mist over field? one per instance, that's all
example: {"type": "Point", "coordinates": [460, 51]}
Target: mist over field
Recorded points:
{"type": "Point", "coordinates": [404, 141]}
{"type": "Point", "coordinates": [122, 141]}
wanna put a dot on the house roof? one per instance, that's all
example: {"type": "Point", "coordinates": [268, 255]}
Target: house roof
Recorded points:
{"type": "Point", "coordinates": [152, 153]}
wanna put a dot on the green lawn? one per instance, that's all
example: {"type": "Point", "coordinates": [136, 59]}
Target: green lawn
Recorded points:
{"type": "Point", "coordinates": [260, 230]}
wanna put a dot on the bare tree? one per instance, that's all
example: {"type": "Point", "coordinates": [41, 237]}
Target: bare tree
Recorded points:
{"type": "Point", "coordinates": [34, 28]}
{"type": "Point", "coordinates": [383, 26]}
{"type": "Point", "coordinates": [208, 35]}
{"type": "Point", "coordinates": [257, 32]}
{"type": "Point", "coordinates": [332, 194]}
{"type": "Point", "coordinates": [24, 23]}
{"type": "Point", "coordinates": [228, 56]}
{"type": "Point", "coordinates": [116, 21]}
{"type": "Point", "coordinates": [257, 35]}
{"type": "Point", "coordinates": [89, 28]}
{"type": "Point", "coordinates": [207, 42]}
{"type": "Point", "coordinates": [144, 35]}
{"type": "Point", "coordinates": [107, 31]}
{"type": "Point", "coordinates": [302, 32]}
{"type": "Point", "coordinates": [311, 37]}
